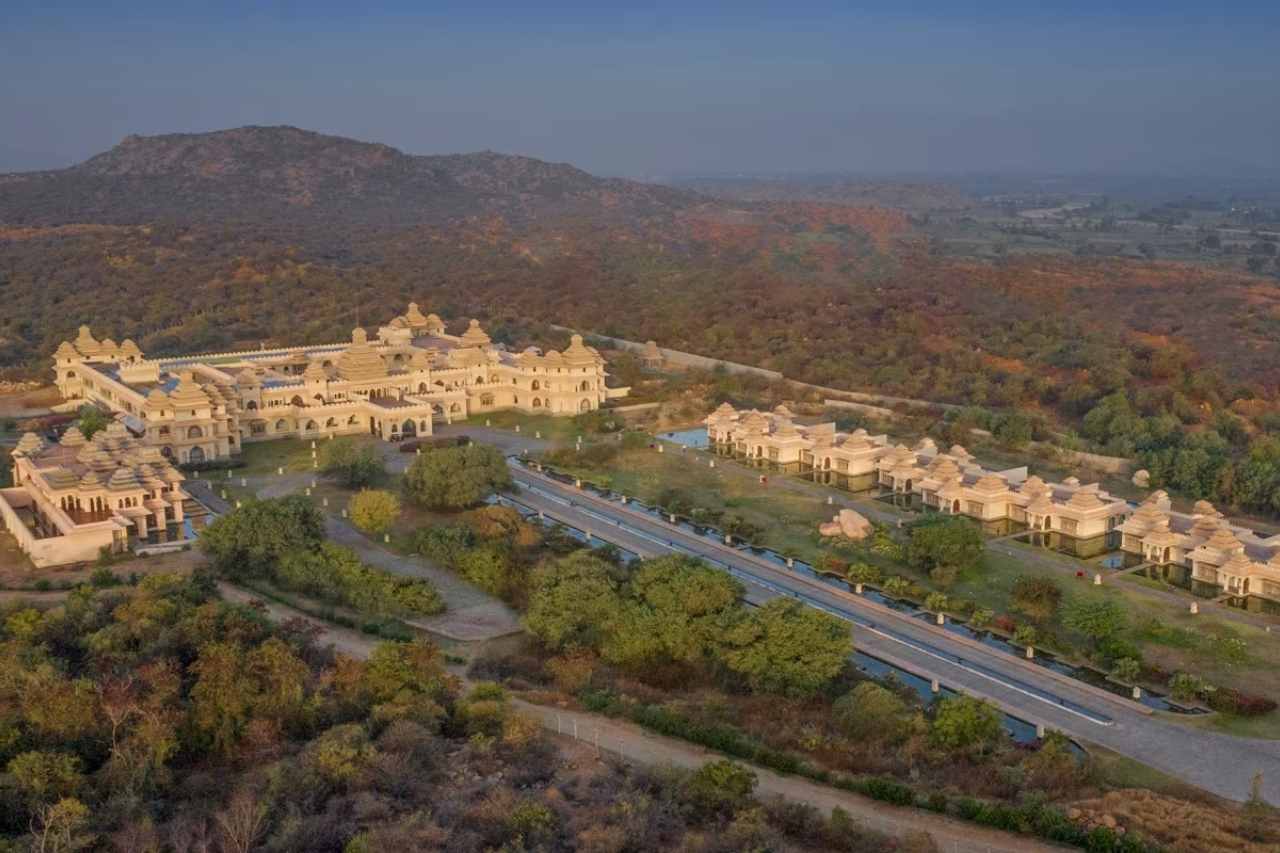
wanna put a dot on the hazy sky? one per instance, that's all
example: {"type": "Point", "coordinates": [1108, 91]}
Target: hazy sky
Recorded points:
{"type": "Point", "coordinates": [663, 87]}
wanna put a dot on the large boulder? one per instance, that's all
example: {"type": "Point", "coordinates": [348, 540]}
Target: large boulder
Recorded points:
{"type": "Point", "coordinates": [846, 523]}
{"type": "Point", "coordinates": [1142, 478]}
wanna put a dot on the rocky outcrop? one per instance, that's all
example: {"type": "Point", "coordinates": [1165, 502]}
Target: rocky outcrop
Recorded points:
{"type": "Point", "coordinates": [848, 524]}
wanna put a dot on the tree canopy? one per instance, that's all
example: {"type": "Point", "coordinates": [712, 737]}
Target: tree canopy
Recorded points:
{"type": "Point", "coordinates": [456, 477]}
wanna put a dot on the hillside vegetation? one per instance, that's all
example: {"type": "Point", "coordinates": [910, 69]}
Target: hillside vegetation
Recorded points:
{"type": "Point", "coordinates": [279, 235]}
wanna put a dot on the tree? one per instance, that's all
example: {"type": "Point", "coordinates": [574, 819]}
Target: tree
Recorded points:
{"type": "Point", "coordinates": [788, 648]}
{"type": "Point", "coordinates": [870, 712]}
{"type": "Point", "coordinates": [1126, 670]}
{"type": "Point", "coordinates": [1036, 597]}
{"type": "Point", "coordinates": [92, 419]}
{"type": "Point", "coordinates": [45, 776]}
{"type": "Point", "coordinates": [572, 601]}
{"type": "Point", "coordinates": [456, 477]}
{"type": "Point", "coordinates": [1098, 619]}
{"type": "Point", "coordinates": [944, 546]}
{"type": "Point", "coordinates": [965, 723]}
{"type": "Point", "coordinates": [250, 540]}
{"type": "Point", "coordinates": [61, 827]}
{"type": "Point", "coordinates": [689, 604]}
{"type": "Point", "coordinates": [354, 465]}
{"type": "Point", "coordinates": [374, 510]}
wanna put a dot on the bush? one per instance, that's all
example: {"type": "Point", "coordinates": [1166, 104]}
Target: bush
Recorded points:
{"type": "Point", "coordinates": [374, 510]}
{"type": "Point", "coordinates": [945, 545]}
{"type": "Point", "coordinates": [336, 574]}
{"type": "Point", "coordinates": [864, 573]}
{"type": "Point", "coordinates": [1186, 687]}
{"type": "Point", "coordinates": [1036, 597]}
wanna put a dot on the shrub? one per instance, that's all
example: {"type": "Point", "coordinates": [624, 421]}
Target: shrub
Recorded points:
{"type": "Point", "coordinates": [936, 602]}
{"type": "Point", "coordinates": [1036, 597]}
{"type": "Point", "coordinates": [963, 722]}
{"type": "Point", "coordinates": [870, 711]}
{"type": "Point", "coordinates": [374, 510]}
{"type": "Point", "coordinates": [864, 573]}
{"type": "Point", "coordinates": [1186, 687]}
{"type": "Point", "coordinates": [1126, 670]}
{"type": "Point", "coordinates": [981, 618]}
{"type": "Point", "coordinates": [1024, 635]}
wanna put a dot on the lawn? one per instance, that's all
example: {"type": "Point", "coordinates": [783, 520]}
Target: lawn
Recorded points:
{"type": "Point", "coordinates": [789, 519]}
{"type": "Point", "coordinates": [557, 430]}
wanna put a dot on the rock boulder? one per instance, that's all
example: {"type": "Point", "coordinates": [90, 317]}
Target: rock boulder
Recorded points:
{"type": "Point", "coordinates": [846, 523]}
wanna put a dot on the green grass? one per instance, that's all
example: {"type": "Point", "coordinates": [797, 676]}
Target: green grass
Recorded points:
{"type": "Point", "coordinates": [265, 457]}
{"type": "Point", "coordinates": [558, 431]}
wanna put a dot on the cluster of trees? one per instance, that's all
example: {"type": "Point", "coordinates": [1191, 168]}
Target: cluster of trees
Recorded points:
{"type": "Point", "coordinates": [493, 547]}
{"type": "Point", "coordinates": [282, 540]}
{"type": "Point", "coordinates": [678, 614]}
{"type": "Point", "coordinates": [162, 718]}
{"type": "Point", "coordinates": [1222, 457]}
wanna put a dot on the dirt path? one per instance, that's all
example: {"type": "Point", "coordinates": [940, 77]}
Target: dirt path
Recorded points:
{"type": "Point", "coordinates": [633, 743]}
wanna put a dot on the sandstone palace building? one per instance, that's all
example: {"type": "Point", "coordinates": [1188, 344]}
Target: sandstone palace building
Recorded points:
{"type": "Point", "coordinates": [122, 488]}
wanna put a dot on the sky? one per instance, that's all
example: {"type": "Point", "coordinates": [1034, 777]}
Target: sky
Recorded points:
{"type": "Point", "coordinates": [659, 88]}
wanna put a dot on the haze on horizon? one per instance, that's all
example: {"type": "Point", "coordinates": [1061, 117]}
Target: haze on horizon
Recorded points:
{"type": "Point", "coordinates": [925, 87]}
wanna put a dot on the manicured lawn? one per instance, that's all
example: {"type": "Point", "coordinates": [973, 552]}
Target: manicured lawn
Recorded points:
{"type": "Point", "coordinates": [265, 457]}
{"type": "Point", "coordinates": [789, 520]}
{"type": "Point", "coordinates": [559, 431]}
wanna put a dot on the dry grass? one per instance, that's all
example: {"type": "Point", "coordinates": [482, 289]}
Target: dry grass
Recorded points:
{"type": "Point", "coordinates": [1184, 826]}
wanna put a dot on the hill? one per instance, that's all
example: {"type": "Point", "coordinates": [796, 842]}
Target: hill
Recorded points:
{"type": "Point", "coordinates": [272, 173]}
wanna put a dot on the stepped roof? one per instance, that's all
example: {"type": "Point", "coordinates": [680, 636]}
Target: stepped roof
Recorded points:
{"type": "Point", "coordinates": [359, 361]}
{"type": "Point", "coordinates": [189, 393]}
{"type": "Point", "coordinates": [73, 437]}
{"type": "Point", "coordinates": [66, 350]}
{"type": "Point", "coordinates": [474, 336]}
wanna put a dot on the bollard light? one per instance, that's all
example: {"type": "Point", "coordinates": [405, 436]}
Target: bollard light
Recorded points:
{"type": "Point", "coordinates": [1195, 608]}
{"type": "Point", "coordinates": [935, 686]}
{"type": "Point", "coordinates": [942, 619]}
{"type": "Point", "coordinates": [324, 501]}
{"type": "Point", "coordinates": [280, 471]}
{"type": "Point", "coordinates": [1097, 580]}
{"type": "Point", "coordinates": [244, 482]}
{"type": "Point", "coordinates": [857, 588]}
{"type": "Point", "coordinates": [386, 538]}
{"type": "Point", "coordinates": [1031, 652]}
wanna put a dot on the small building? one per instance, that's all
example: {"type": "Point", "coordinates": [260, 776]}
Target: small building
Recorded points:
{"type": "Point", "coordinates": [651, 357]}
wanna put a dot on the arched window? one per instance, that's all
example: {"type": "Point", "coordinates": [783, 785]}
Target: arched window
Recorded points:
{"type": "Point", "coordinates": [584, 406]}
{"type": "Point", "coordinates": [252, 406]}
{"type": "Point", "coordinates": [297, 401]}
{"type": "Point", "coordinates": [537, 403]}
{"type": "Point", "coordinates": [312, 426]}
{"type": "Point", "coordinates": [332, 422]}
{"type": "Point", "coordinates": [422, 387]}
{"type": "Point", "coordinates": [455, 408]}
{"type": "Point", "coordinates": [479, 380]}
{"type": "Point", "coordinates": [195, 432]}
{"type": "Point", "coordinates": [486, 399]}
{"type": "Point", "coordinates": [282, 425]}
{"type": "Point", "coordinates": [585, 386]}
{"type": "Point", "coordinates": [536, 385]}
{"type": "Point", "coordinates": [196, 455]}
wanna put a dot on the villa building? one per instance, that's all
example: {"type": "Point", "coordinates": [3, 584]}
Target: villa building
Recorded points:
{"type": "Point", "coordinates": [1082, 518]}
{"type": "Point", "coordinates": [75, 498]}
{"type": "Point", "coordinates": [205, 407]}
{"type": "Point", "coordinates": [1199, 550]}
{"type": "Point", "coordinates": [121, 490]}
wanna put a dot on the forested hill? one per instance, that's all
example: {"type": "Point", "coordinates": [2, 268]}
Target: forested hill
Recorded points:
{"type": "Point", "coordinates": [286, 174]}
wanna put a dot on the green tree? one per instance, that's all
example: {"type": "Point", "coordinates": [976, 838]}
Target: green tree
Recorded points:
{"type": "Point", "coordinates": [788, 648]}
{"type": "Point", "coordinates": [92, 420]}
{"type": "Point", "coordinates": [965, 723]}
{"type": "Point", "coordinates": [572, 601]}
{"type": "Point", "coordinates": [1098, 619]}
{"type": "Point", "coordinates": [944, 546]}
{"type": "Point", "coordinates": [870, 712]}
{"type": "Point", "coordinates": [250, 540]}
{"type": "Point", "coordinates": [456, 477]}
{"type": "Point", "coordinates": [355, 465]}
{"type": "Point", "coordinates": [374, 510]}
{"type": "Point", "coordinates": [687, 603]}
{"type": "Point", "coordinates": [45, 776]}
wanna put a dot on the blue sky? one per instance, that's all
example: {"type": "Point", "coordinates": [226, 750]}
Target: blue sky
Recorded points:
{"type": "Point", "coordinates": [669, 88]}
